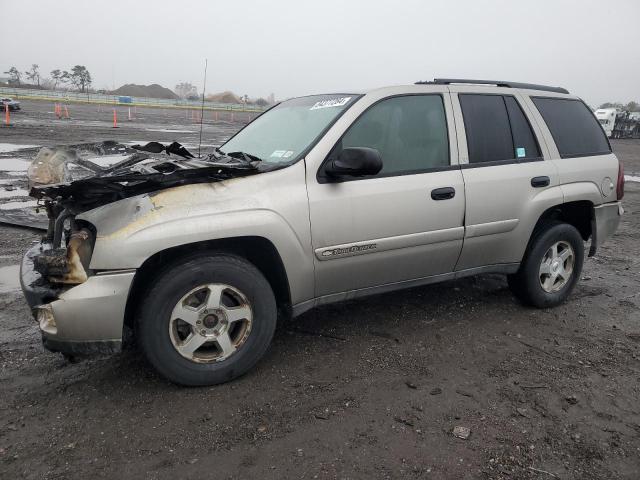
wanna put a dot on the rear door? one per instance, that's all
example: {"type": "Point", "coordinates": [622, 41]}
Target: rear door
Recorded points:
{"type": "Point", "coordinates": [508, 182]}
{"type": "Point", "coordinates": [587, 167]}
{"type": "Point", "coordinates": [394, 226]}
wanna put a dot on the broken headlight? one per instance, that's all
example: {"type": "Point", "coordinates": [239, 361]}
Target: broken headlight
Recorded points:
{"type": "Point", "coordinates": [70, 265]}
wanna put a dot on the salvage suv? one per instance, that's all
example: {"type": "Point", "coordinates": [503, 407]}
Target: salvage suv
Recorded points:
{"type": "Point", "coordinates": [320, 199]}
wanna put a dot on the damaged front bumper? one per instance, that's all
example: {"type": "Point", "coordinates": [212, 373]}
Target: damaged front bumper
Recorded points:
{"type": "Point", "coordinates": [85, 319]}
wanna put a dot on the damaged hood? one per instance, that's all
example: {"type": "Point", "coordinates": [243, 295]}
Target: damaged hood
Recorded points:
{"type": "Point", "coordinates": [77, 184]}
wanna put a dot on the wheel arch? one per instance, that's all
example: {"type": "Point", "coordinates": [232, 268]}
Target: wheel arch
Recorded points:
{"type": "Point", "coordinates": [260, 251]}
{"type": "Point", "coordinates": [577, 213]}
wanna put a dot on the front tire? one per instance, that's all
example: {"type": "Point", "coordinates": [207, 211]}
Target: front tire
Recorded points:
{"type": "Point", "coordinates": [551, 267]}
{"type": "Point", "coordinates": [207, 320]}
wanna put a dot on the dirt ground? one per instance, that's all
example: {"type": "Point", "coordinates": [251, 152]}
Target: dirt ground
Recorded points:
{"type": "Point", "coordinates": [363, 389]}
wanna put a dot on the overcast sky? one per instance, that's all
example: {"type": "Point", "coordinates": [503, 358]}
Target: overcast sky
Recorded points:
{"type": "Point", "coordinates": [294, 47]}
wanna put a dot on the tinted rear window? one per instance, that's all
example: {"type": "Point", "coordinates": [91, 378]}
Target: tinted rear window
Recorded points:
{"type": "Point", "coordinates": [487, 125]}
{"type": "Point", "coordinates": [496, 129]}
{"type": "Point", "coordinates": [574, 128]}
{"type": "Point", "coordinates": [523, 140]}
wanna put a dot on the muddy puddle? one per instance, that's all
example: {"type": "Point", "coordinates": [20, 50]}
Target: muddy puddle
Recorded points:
{"type": "Point", "coordinates": [14, 147]}
{"type": "Point", "coordinates": [14, 164]}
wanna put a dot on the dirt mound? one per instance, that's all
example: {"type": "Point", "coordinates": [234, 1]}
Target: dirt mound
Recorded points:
{"type": "Point", "coordinates": [148, 91]}
{"type": "Point", "coordinates": [224, 97]}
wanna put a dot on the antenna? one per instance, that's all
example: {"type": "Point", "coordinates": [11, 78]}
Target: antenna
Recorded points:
{"type": "Point", "coordinates": [204, 87]}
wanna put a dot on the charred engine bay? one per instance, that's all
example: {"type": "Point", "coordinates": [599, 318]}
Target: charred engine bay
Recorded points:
{"type": "Point", "coordinates": [64, 255]}
{"type": "Point", "coordinates": [147, 169]}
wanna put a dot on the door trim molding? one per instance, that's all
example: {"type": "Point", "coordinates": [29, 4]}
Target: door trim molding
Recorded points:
{"type": "Point", "coordinates": [491, 228]}
{"type": "Point", "coordinates": [344, 250]}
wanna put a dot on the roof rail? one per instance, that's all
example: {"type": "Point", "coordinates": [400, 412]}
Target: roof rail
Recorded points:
{"type": "Point", "coordinates": [498, 83]}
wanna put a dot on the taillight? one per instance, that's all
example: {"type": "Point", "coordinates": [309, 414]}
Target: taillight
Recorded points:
{"type": "Point", "coordinates": [620, 183]}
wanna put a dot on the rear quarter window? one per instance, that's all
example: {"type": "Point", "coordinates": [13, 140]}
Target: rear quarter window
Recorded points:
{"type": "Point", "coordinates": [574, 128]}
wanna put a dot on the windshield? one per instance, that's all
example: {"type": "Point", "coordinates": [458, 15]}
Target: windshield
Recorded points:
{"type": "Point", "coordinates": [283, 133]}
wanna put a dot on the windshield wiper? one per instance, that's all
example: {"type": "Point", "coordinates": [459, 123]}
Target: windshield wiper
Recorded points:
{"type": "Point", "coordinates": [247, 157]}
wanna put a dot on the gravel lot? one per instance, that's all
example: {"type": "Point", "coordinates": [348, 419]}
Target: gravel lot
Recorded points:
{"type": "Point", "coordinates": [363, 389]}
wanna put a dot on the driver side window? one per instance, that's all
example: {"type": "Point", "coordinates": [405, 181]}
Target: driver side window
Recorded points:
{"type": "Point", "coordinates": [409, 132]}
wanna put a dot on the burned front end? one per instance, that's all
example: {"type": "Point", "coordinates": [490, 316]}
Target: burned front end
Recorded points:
{"type": "Point", "coordinates": [81, 310]}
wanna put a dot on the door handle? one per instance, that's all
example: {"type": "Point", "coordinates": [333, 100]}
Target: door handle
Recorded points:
{"type": "Point", "coordinates": [444, 193]}
{"type": "Point", "coordinates": [538, 182]}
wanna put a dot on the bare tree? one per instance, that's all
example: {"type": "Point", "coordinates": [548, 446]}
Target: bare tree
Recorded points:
{"type": "Point", "coordinates": [14, 75]}
{"type": "Point", "coordinates": [186, 90]}
{"type": "Point", "coordinates": [80, 77]}
{"type": "Point", "coordinates": [56, 76]}
{"type": "Point", "coordinates": [611, 105]}
{"type": "Point", "coordinates": [631, 107]}
{"type": "Point", "coordinates": [65, 78]}
{"type": "Point", "coordinates": [34, 73]}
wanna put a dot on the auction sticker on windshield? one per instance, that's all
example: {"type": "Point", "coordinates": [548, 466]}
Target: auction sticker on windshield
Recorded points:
{"type": "Point", "coordinates": [332, 102]}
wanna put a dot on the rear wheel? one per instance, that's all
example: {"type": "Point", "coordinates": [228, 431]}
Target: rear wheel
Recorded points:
{"type": "Point", "coordinates": [208, 320]}
{"type": "Point", "coordinates": [551, 268]}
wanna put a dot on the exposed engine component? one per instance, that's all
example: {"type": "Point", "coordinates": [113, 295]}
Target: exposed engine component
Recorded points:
{"type": "Point", "coordinates": [68, 265]}
{"type": "Point", "coordinates": [67, 184]}
{"type": "Point", "coordinates": [157, 147]}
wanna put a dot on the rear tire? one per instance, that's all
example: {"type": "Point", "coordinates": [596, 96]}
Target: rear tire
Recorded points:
{"type": "Point", "coordinates": [551, 267]}
{"type": "Point", "coordinates": [207, 320]}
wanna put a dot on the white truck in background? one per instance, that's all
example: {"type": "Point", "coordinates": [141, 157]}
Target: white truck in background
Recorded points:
{"type": "Point", "coordinates": [607, 118]}
{"type": "Point", "coordinates": [619, 124]}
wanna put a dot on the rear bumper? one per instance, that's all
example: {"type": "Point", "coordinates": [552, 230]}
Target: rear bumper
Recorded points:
{"type": "Point", "coordinates": [606, 218]}
{"type": "Point", "coordinates": [86, 318]}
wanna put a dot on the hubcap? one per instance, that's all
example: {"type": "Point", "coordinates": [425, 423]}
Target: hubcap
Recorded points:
{"type": "Point", "coordinates": [556, 267]}
{"type": "Point", "coordinates": [210, 323]}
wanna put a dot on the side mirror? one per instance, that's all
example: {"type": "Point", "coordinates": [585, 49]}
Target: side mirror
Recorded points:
{"type": "Point", "coordinates": [355, 162]}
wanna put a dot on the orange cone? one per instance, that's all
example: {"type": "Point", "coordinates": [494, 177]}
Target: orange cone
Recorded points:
{"type": "Point", "coordinates": [7, 117]}
{"type": "Point", "coordinates": [115, 119]}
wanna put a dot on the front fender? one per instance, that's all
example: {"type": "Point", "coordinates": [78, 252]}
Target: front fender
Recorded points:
{"type": "Point", "coordinates": [132, 230]}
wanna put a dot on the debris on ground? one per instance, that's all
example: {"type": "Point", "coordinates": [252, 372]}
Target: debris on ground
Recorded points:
{"type": "Point", "coordinates": [571, 399]}
{"type": "Point", "coordinates": [461, 432]}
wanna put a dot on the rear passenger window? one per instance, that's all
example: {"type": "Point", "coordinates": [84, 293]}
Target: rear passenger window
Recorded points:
{"type": "Point", "coordinates": [496, 129]}
{"type": "Point", "coordinates": [524, 142]}
{"type": "Point", "coordinates": [573, 127]}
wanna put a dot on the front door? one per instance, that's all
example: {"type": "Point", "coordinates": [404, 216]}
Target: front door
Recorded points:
{"type": "Point", "coordinates": [402, 224]}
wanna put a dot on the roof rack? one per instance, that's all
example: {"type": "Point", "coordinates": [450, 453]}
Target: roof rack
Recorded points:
{"type": "Point", "coordinates": [498, 83]}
